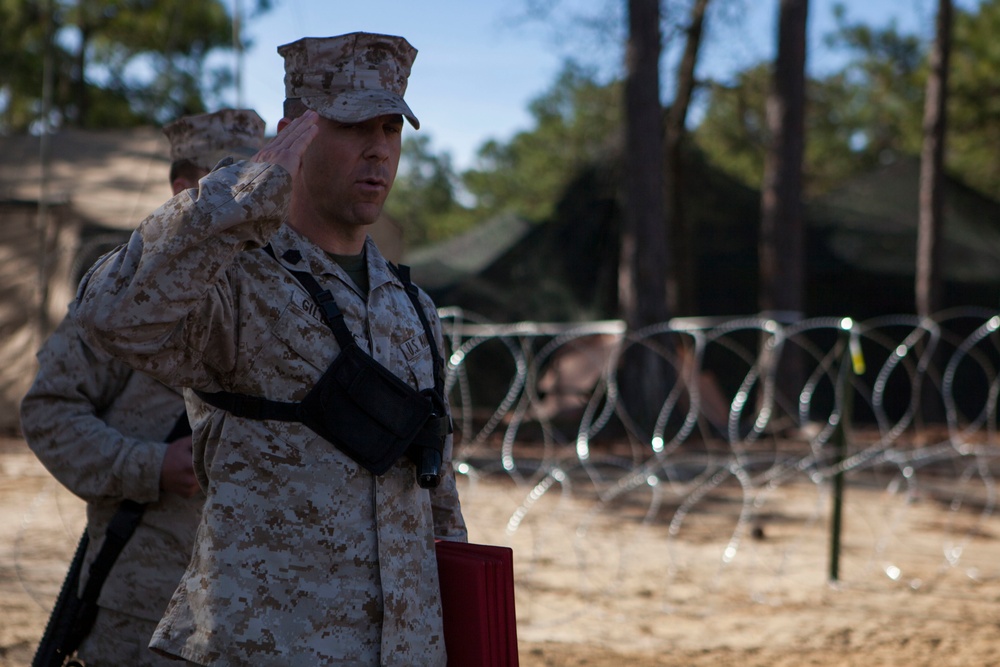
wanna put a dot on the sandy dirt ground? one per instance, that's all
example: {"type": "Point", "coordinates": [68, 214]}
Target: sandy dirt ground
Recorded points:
{"type": "Point", "coordinates": [653, 573]}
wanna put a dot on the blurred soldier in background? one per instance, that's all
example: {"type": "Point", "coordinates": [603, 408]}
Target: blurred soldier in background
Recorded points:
{"type": "Point", "coordinates": [120, 440]}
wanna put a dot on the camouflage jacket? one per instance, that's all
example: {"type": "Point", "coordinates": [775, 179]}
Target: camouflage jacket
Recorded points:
{"type": "Point", "coordinates": [302, 556]}
{"type": "Point", "coordinates": [99, 428]}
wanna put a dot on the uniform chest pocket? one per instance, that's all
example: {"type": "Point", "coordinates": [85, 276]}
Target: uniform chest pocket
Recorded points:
{"type": "Point", "coordinates": [295, 354]}
{"type": "Point", "coordinates": [414, 356]}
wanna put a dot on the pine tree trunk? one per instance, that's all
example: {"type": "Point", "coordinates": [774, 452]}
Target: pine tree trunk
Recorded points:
{"type": "Point", "coordinates": [643, 267]}
{"type": "Point", "coordinates": [928, 283]}
{"type": "Point", "coordinates": [782, 242]}
{"type": "Point", "coordinates": [683, 279]}
{"type": "Point", "coordinates": [782, 233]}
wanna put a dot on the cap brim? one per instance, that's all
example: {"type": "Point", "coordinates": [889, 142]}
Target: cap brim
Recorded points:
{"type": "Point", "coordinates": [356, 106]}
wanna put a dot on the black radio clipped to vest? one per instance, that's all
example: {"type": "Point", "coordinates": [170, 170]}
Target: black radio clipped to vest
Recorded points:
{"type": "Point", "coordinates": [358, 404]}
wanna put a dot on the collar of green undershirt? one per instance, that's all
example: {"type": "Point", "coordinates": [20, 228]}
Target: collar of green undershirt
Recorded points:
{"type": "Point", "coordinates": [356, 267]}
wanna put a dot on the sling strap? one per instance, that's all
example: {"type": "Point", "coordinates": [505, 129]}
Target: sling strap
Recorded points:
{"type": "Point", "coordinates": [395, 416]}
{"type": "Point", "coordinates": [73, 615]}
{"type": "Point", "coordinates": [258, 408]}
{"type": "Point", "coordinates": [120, 529]}
{"type": "Point", "coordinates": [403, 273]}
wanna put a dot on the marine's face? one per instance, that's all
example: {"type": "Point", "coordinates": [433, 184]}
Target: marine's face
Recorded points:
{"type": "Point", "coordinates": [349, 168]}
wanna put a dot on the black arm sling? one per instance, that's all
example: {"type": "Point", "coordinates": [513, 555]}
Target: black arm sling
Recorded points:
{"type": "Point", "coordinates": [358, 404]}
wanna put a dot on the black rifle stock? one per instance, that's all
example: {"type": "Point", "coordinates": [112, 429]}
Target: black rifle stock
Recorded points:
{"type": "Point", "coordinates": [55, 645]}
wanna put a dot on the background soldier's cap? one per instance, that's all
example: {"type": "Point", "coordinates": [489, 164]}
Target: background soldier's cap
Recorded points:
{"type": "Point", "coordinates": [207, 138]}
{"type": "Point", "coordinates": [350, 78]}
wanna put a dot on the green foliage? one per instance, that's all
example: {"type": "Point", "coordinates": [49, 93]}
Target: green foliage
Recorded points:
{"type": "Point", "coordinates": [423, 198]}
{"type": "Point", "coordinates": [871, 111]}
{"type": "Point", "coordinates": [577, 123]}
{"type": "Point", "coordinates": [856, 118]}
{"type": "Point", "coordinates": [22, 38]}
{"type": "Point", "coordinates": [865, 114]}
{"type": "Point", "coordinates": [974, 105]}
{"type": "Point", "coordinates": [733, 132]}
{"type": "Point", "coordinates": [885, 94]}
{"type": "Point", "coordinates": [115, 62]}
{"type": "Point", "coordinates": [883, 88]}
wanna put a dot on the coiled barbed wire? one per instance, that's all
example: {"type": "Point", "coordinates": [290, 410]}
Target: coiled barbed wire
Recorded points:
{"type": "Point", "coordinates": [918, 415]}
{"type": "Point", "coordinates": [739, 455]}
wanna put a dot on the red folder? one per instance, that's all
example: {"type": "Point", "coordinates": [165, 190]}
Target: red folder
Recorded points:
{"type": "Point", "coordinates": [477, 602]}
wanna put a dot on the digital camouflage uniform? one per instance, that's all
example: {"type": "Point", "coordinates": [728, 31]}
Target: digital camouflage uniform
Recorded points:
{"type": "Point", "coordinates": [350, 78]}
{"type": "Point", "coordinates": [302, 557]}
{"type": "Point", "coordinates": [99, 427]}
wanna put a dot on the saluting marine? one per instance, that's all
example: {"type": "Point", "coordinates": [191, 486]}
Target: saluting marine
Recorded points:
{"type": "Point", "coordinates": [315, 376]}
{"type": "Point", "coordinates": [120, 440]}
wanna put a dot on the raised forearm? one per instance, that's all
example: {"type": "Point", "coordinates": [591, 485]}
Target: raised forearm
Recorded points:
{"type": "Point", "coordinates": [136, 304]}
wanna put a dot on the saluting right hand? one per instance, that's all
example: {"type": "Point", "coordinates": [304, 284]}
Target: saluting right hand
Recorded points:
{"type": "Point", "coordinates": [288, 147]}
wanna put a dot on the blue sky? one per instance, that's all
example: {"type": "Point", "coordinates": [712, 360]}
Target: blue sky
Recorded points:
{"type": "Point", "coordinates": [478, 66]}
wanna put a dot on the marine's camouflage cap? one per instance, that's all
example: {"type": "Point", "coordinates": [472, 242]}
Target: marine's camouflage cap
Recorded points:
{"type": "Point", "coordinates": [350, 78]}
{"type": "Point", "coordinates": [207, 138]}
